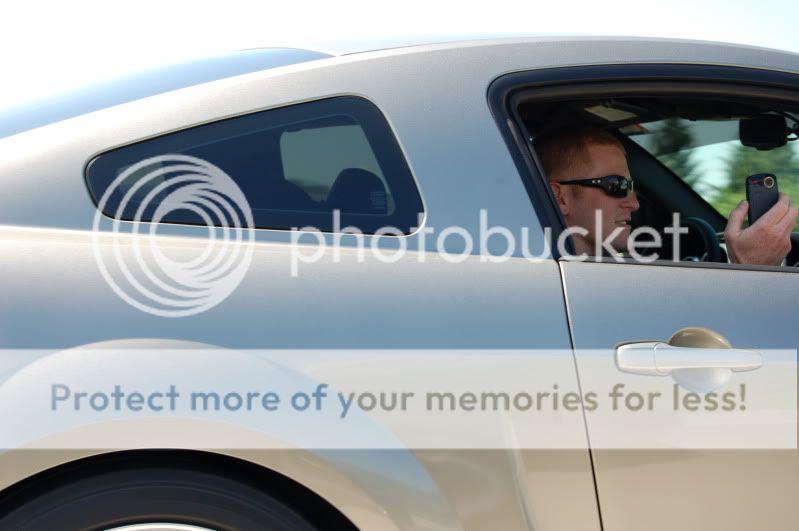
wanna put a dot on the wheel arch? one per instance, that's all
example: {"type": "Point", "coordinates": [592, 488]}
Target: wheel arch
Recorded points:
{"type": "Point", "coordinates": [287, 490]}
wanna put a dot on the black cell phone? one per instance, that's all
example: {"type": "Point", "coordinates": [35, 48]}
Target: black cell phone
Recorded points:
{"type": "Point", "coordinates": [761, 193]}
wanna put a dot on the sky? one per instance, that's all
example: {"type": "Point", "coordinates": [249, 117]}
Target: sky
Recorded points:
{"type": "Point", "coordinates": [48, 47]}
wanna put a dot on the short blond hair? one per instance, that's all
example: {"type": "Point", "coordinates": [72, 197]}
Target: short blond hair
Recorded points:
{"type": "Point", "coordinates": [564, 150]}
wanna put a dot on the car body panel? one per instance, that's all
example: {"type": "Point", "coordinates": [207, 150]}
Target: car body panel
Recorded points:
{"type": "Point", "coordinates": [700, 488]}
{"type": "Point", "coordinates": [434, 98]}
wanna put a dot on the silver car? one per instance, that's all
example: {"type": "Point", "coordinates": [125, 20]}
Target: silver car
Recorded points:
{"type": "Point", "coordinates": [352, 194]}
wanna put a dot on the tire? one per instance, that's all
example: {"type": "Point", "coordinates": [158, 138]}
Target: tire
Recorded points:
{"type": "Point", "coordinates": [156, 495]}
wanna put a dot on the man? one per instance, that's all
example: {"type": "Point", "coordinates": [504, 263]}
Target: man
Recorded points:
{"type": "Point", "coordinates": [588, 174]}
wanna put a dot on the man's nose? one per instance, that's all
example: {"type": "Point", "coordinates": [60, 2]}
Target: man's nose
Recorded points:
{"type": "Point", "coordinates": [631, 202]}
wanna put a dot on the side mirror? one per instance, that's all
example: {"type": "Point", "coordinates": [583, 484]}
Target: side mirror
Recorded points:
{"type": "Point", "coordinates": [764, 132]}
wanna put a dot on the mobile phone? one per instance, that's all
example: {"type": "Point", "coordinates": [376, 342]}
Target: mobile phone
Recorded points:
{"type": "Point", "coordinates": [761, 193]}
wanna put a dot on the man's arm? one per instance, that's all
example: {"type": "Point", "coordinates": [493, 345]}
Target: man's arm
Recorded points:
{"type": "Point", "coordinates": [768, 240]}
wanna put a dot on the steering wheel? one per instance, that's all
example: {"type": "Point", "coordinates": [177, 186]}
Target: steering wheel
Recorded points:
{"type": "Point", "coordinates": [703, 232]}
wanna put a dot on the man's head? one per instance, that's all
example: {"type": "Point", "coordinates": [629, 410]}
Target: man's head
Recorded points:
{"type": "Point", "coordinates": [588, 153]}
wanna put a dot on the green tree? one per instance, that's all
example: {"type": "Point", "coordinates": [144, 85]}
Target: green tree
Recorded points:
{"type": "Point", "coordinates": [744, 161]}
{"type": "Point", "coordinates": [670, 147]}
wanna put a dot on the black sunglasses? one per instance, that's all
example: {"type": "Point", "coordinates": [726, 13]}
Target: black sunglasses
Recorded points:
{"type": "Point", "coordinates": [613, 185]}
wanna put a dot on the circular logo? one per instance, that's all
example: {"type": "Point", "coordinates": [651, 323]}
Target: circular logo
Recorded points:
{"type": "Point", "coordinates": [160, 274]}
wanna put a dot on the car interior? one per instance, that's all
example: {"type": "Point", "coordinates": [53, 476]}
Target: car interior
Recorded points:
{"type": "Point", "coordinates": [689, 155]}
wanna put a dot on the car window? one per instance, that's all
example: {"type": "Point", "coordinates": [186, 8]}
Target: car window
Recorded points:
{"type": "Point", "coordinates": [335, 149]}
{"type": "Point", "coordinates": [709, 156]}
{"type": "Point", "coordinates": [296, 166]}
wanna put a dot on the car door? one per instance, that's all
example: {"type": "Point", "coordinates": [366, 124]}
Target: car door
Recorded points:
{"type": "Point", "coordinates": [688, 488]}
{"type": "Point", "coordinates": [666, 468]}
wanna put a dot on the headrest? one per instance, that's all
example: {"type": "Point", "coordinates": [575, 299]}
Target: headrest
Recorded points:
{"type": "Point", "coordinates": [358, 191]}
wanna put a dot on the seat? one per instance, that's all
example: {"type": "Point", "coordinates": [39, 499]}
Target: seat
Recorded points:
{"type": "Point", "coordinates": [358, 191]}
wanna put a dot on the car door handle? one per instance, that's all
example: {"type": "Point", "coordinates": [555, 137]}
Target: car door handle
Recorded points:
{"type": "Point", "coordinates": [660, 359]}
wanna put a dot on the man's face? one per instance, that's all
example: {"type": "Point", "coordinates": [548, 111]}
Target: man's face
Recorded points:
{"type": "Point", "coordinates": [579, 203]}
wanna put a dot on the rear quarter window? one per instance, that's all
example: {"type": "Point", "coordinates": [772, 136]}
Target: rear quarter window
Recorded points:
{"type": "Point", "coordinates": [295, 165]}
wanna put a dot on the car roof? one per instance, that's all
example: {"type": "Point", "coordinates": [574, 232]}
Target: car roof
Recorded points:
{"type": "Point", "coordinates": [172, 77]}
{"type": "Point", "coordinates": [138, 85]}
{"type": "Point", "coordinates": [416, 43]}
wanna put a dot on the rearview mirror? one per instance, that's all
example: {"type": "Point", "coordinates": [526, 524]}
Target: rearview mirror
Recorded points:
{"type": "Point", "coordinates": [764, 132]}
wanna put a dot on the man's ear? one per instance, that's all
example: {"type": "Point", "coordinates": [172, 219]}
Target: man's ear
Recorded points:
{"type": "Point", "coordinates": [560, 197]}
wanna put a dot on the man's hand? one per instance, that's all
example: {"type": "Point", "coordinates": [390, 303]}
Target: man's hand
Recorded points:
{"type": "Point", "coordinates": [768, 240]}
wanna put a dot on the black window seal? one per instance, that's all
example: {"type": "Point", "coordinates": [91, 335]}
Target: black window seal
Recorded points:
{"type": "Point", "coordinates": [563, 83]}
